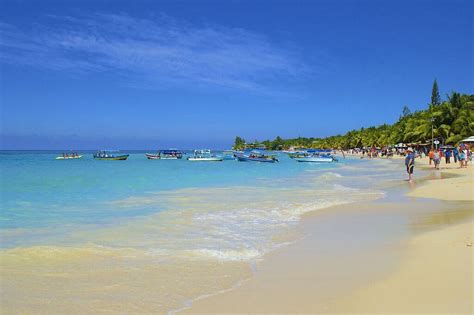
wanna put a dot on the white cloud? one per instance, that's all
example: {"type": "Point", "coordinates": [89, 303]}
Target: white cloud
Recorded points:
{"type": "Point", "coordinates": [153, 51]}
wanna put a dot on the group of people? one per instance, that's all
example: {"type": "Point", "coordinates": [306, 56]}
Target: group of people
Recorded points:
{"type": "Point", "coordinates": [67, 155]}
{"type": "Point", "coordinates": [373, 152]}
{"type": "Point", "coordinates": [461, 153]}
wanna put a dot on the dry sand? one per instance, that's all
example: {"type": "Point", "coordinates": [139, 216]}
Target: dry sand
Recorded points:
{"type": "Point", "coordinates": [456, 184]}
{"type": "Point", "coordinates": [434, 276]}
{"type": "Point", "coordinates": [412, 257]}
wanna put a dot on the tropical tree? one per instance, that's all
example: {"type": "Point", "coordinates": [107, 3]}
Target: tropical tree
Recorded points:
{"type": "Point", "coordinates": [239, 143]}
{"type": "Point", "coordinates": [451, 121]}
{"type": "Point", "coordinates": [435, 98]}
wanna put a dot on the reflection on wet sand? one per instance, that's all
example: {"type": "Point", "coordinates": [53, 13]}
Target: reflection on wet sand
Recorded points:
{"type": "Point", "coordinates": [102, 280]}
{"type": "Point", "coordinates": [452, 213]}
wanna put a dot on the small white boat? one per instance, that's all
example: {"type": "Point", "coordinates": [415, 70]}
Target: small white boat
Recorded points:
{"type": "Point", "coordinates": [204, 156]}
{"type": "Point", "coordinates": [67, 157]}
{"type": "Point", "coordinates": [315, 158]}
{"type": "Point", "coordinates": [171, 154]}
{"type": "Point", "coordinates": [152, 156]}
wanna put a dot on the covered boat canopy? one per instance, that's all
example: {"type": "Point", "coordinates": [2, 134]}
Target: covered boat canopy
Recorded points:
{"type": "Point", "coordinates": [171, 152]}
{"type": "Point", "coordinates": [470, 139]}
{"type": "Point", "coordinates": [203, 153]}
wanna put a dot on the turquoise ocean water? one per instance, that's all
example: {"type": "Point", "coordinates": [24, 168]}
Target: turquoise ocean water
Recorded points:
{"type": "Point", "coordinates": [39, 192]}
{"type": "Point", "coordinates": [153, 235]}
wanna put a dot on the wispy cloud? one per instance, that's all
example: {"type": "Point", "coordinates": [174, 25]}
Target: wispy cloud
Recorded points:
{"type": "Point", "coordinates": [153, 51]}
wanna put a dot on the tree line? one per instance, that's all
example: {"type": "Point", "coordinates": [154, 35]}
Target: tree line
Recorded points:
{"type": "Point", "coordinates": [449, 121]}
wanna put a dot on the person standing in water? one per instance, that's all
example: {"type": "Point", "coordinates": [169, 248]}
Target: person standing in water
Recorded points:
{"type": "Point", "coordinates": [410, 163]}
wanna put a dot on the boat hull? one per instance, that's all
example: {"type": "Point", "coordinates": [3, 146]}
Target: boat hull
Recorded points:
{"type": "Point", "coordinates": [68, 157]}
{"type": "Point", "coordinates": [209, 159]}
{"type": "Point", "coordinates": [152, 156]}
{"type": "Point", "coordinates": [161, 157]}
{"type": "Point", "coordinates": [113, 158]}
{"type": "Point", "coordinates": [249, 159]}
{"type": "Point", "coordinates": [315, 159]}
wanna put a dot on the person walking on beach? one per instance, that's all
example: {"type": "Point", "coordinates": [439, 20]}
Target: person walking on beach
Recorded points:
{"type": "Point", "coordinates": [431, 155]}
{"type": "Point", "coordinates": [462, 157]}
{"type": "Point", "coordinates": [436, 158]}
{"type": "Point", "coordinates": [455, 154]}
{"type": "Point", "coordinates": [447, 155]}
{"type": "Point", "coordinates": [410, 163]}
{"type": "Point", "coordinates": [469, 155]}
{"type": "Point", "coordinates": [466, 152]}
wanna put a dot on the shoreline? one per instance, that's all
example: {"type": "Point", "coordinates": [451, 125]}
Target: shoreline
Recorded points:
{"type": "Point", "coordinates": [206, 243]}
{"type": "Point", "coordinates": [308, 276]}
{"type": "Point", "coordinates": [323, 256]}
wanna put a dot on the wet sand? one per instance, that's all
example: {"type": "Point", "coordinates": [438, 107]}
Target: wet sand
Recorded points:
{"type": "Point", "coordinates": [95, 280]}
{"type": "Point", "coordinates": [398, 255]}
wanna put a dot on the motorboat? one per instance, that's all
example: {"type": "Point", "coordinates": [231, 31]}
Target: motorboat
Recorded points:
{"type": "Point", "coordinates": [204, 156]}
{"type": "Point", "coordinates": [107, 156]}
{"type": "Point", "coordinates": [315, 156]}
{"type": "Point", "coordinates": [228, 155]}
{"type": "Point", "coordinates": [165, 155]}
{"type": "Point", "coordinates": [70, 156]}
{"type": "Point", "coordinates": [256, 157]}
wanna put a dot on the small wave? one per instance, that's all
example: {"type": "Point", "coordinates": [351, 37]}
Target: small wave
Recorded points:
{"type": "Point", "coordinates": [330, 175]}
{"type": "Point", "coordinates": [228, 255]}
{"type": "Point", "coordinates": [61, 254]}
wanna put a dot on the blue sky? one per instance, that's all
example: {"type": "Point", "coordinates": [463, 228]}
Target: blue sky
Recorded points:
{"type": "Point", "coordinates": [148, 74]}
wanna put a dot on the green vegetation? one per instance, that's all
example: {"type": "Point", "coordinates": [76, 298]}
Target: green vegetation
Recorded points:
{"type": "Point", "coordinates": [449, 121]}
{"type": "Point", "coordinates": [435, 98]}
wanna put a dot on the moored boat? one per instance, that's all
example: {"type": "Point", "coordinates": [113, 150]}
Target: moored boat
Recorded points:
{"type": "Point", "coordinates": [104, 155]}
{"type": "Point", "coordinates": [69, 157]}
{"type": "Point", "coordinates": [228, 155]}
{"type": "Point", "coordinates": [204, 156]}
{"type": "Point", "coordinates": [296, 154]}
{"type": "Point", "coordinates": [165, 155]}
{"type": "Point", "coordinates": [152, 156]}
{"type": "Point", "coordinates": [316, 156]}
{"type": "Point", "coordinates": [256, 157]}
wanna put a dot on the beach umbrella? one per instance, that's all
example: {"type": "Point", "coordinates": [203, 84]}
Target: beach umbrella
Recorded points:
{"type": "Point", "coordinates": [470, 139]}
